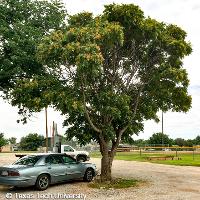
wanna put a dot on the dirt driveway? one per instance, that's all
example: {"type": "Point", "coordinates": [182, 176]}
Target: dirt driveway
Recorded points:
{"type": "Point", "coordinates": [164, 182]}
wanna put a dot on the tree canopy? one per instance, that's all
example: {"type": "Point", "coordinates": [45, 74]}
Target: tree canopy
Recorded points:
{"type": "Point", "coordinates": [22, 25]}
{"type": "Point", "coordinates": [109, 73]}
{"type": "Point", "coordinates": [3, 141]}
{"type": "Point", "coordinates": [12, 140]}
{"type": "Point", "coordinates": [197, 140]}
{"type": "Point", "coordinates": [31, 142]}
{"type": "Point", "coordinates": [160, 139]}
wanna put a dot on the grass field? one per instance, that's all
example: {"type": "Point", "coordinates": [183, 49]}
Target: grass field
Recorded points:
{"type": "Point", "coordinates": [187, 158]}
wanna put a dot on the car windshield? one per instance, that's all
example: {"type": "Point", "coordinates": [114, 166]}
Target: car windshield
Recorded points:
{"type": "Point", "coordinates": [29, 160]}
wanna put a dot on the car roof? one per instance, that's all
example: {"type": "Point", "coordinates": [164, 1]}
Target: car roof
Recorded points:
{"type": "Point", "coordinates": [45, 154]}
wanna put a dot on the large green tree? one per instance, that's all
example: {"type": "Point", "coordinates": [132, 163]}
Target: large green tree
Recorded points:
{"type": "Point", "coordinates": [31, 142]}
{"type": "Point", "coordinates": [160, 139]}
{"type": "Point", "coordinates": [22, 25]}
{"type": "Point", "coordinates": [107, 74]}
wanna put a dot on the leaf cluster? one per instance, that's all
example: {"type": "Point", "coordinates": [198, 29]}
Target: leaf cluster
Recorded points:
{"type": "Point", "coordinates": [31, 142]}
{"type": "Point", "coordinates": [22, 25]}
{"type": "Point", "coordinates": [3, 141]}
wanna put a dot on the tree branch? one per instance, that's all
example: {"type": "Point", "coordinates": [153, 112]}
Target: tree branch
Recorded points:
{"type": "Point", "coordinates": [137, 100]}
{"type": "Point", "coordinates": [116, 143]}
{"type": "Point", "coordinates": [119, 136]}
{"type": "Point", "coordinates": [87, 114]}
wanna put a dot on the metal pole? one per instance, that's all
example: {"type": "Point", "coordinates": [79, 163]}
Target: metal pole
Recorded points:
{"type": "Point", "coordinates": [193, 153]}
{"type": "Point", "coordinates": [46, 130]}
{"type": "Point", "coordinates": [53, 134]}
{"type": "Point", "coordinates": [162, 122]}
{"type": "Point", "coordinates": [162, 130]}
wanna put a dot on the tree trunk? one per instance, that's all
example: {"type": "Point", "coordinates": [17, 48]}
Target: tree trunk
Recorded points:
{"type": "Point", "coordinates": [106, 167]}
{"type": "Point", "coordinates": [107, 159]}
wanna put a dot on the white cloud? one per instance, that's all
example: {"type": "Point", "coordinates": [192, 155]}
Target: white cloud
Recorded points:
{"type": "Point", "coordinates": [185, 14]}
{"type": "Point", "coordinates": [77, 6]}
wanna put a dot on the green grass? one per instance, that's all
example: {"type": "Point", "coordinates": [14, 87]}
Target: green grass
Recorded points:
{"type": "Point", "coordinates": [117, 183]}
{"type": "Point", "coordinates": [186, 158]}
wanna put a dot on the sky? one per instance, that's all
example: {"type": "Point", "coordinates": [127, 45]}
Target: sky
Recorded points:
{"type": "Point", "coordinates": [184, 13]}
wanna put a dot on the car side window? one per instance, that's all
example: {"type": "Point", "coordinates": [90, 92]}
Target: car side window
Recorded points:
{"type": "Point", "coordinates": [68, 149]}
{"type": "Point", "coordinates": [54, 160]}
{"type": "Point", "coordinates": [67, 159]}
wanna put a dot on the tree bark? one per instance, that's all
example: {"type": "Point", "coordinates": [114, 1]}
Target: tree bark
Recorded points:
{"type": "Point", "coordinates": [106, 167]}
{"type": "Point", "coordinates": [106, 160]}
{"type": "Point", "coordinates": [108, 155]}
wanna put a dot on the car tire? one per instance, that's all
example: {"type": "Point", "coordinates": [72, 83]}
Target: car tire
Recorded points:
{"type": "Point", "coordinates": [81, 159]}
{"type": "Point", "coordinates": [89, 175]}
{"type": "Point", "coordinates": [42, 182]}
{"type": "Point", "coordinates": [16, 187]}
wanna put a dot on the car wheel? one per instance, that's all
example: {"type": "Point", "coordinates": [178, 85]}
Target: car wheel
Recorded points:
{"type": "Point", "coordinates": [89, 175]}
{"type": "Point", "coordinates": [81, 159]}
{"type": "Point", "coordinates": [42, 182]}
{"type": "Point", "coordinates": [15, 187]}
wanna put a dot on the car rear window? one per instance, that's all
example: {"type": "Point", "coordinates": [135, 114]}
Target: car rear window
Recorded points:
{"type": "Point", "coordinates": [30, 160]}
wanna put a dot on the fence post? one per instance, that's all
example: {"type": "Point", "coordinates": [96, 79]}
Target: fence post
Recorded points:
{"type": "Point", "coordinates": [193, 153]}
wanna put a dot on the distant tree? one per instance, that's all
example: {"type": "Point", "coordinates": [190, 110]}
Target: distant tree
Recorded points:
{"type": "Point", "coordinates": [3, 141]}
{"type": "Point", "coordinates": [140, 142]}
{"type": "Point", "coordinates": [31, 142]}
{"type": "Point", "coordinates": [160, 138]}
{"type": "Point", "coordinates": [189, 143]}
{"type": "Point", "coordinates": [12, 140]}
{"type": "Point", "coordinates": [197, 140]}
{"type": "Point", "coordinates": [180, 142]}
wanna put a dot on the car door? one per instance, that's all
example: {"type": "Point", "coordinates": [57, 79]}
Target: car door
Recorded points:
{"type": "Point", "coordinates": [56, 168]}
{"type": "Point", "coordinates": [73, 168]}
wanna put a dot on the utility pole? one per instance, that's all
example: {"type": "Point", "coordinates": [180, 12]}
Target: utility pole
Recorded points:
{"type": "Point", "coordinates": [162, 122]}
{"type": "Point", "coordinates": [53, 134]}
{"type": "Point", "coordinates": [46, 130]}
{"type": "Point", "coordinates": [162, 130]}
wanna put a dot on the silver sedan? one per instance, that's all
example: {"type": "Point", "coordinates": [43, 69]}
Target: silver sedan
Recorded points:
{"type": "Point", "coordinates": [42, 170]}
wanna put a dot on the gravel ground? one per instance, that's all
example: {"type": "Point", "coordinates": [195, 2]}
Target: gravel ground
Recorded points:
{"type": "Point", "coordinates": [163, 182]}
